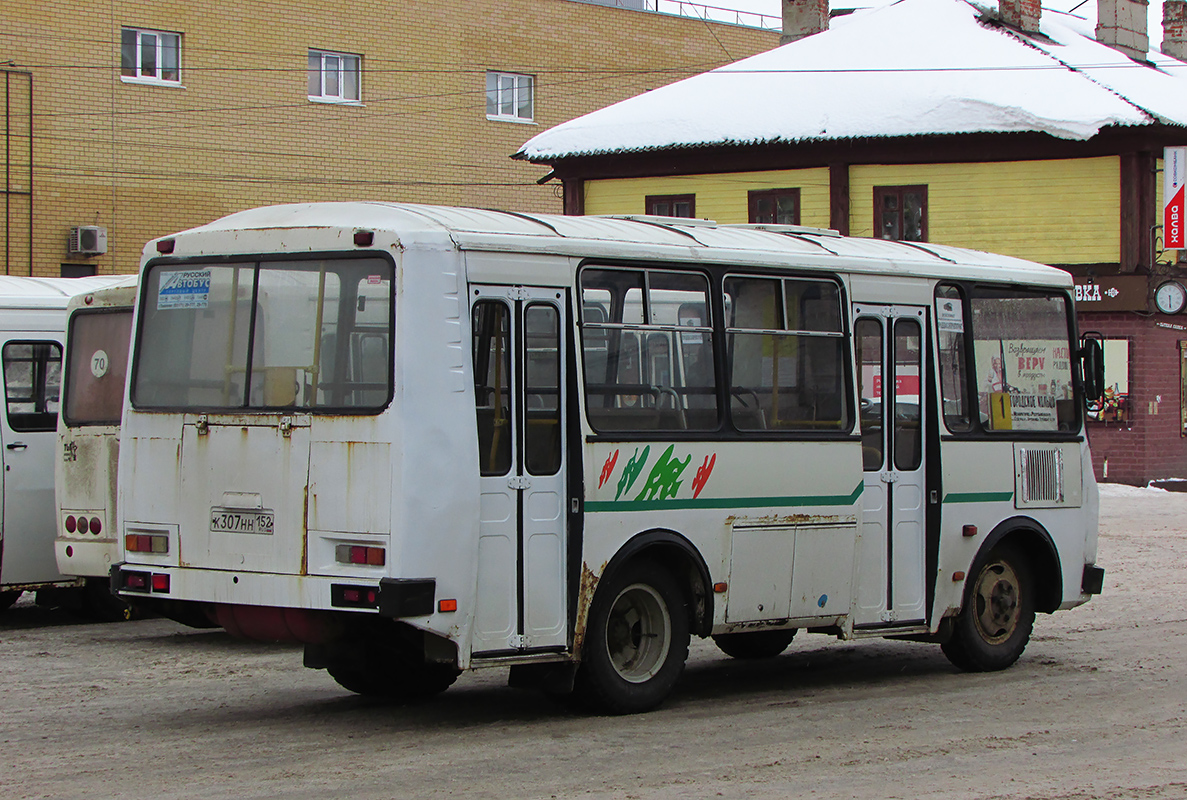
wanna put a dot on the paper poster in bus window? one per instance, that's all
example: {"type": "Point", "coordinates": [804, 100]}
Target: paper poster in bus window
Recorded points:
{"type": "Point", "coordinates": [184, 289]}
{"type": "Point", "coordinates": [1020, 383]}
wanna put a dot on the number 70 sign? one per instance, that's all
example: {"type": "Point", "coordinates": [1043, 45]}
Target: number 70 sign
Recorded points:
{"type": "Point", "coordinates": [1174, 168]}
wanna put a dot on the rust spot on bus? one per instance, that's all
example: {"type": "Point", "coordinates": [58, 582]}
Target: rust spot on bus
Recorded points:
{"type": "Point", "coordinates": [791, 519]}
{"type": "Point", "coordinates": [589, 585]}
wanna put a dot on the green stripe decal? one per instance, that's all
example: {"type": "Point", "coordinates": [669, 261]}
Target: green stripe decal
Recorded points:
{"type": "Point", "coordinates": [594, 506]}
{"type": "Point", "coordinates": [978, 497]}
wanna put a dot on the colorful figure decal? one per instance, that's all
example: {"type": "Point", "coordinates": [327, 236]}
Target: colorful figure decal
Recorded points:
{"type": "Point", "coordinates": [630, 473]}
{"type": "Point", "coordinates": [664, 480]}
{"type": "Point", "coordinates": [703, 473]}
{"type": "Point", "coordinates": [608, 469]}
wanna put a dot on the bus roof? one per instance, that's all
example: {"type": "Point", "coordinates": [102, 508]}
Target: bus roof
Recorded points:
{"type": "Point", "coordinates": [330, 226]}
{"type": "Point", "coordinates": [18, 291]}
{"type": "Point", "coordinates": [120, 293]}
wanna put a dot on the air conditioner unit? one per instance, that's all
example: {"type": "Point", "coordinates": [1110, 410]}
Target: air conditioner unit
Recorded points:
{"type": "Point", "coordinates": [88, 240]}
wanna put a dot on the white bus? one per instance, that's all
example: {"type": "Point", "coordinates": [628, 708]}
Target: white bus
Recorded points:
{"type": "Point", "coordinates": [32, 328]}
{"type": "Point", "coordinates": [422, 440]}
{"type": "Point", "coordinates": [98, 337]}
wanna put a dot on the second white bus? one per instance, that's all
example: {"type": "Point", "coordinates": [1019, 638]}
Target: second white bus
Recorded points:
{"type": "Point", "coordinates": [422, 440]}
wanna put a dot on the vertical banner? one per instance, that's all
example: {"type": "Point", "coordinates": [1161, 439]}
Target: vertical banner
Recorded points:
{"type": "Point", "coordinates": [1174, 169]}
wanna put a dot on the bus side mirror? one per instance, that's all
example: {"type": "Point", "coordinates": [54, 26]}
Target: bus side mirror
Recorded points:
{"type": "Point", "coordinates": [1092, 361]}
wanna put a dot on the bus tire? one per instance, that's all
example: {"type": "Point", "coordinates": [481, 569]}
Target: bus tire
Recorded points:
{"type": "Point", "coordinates": [994, 625]}
{"type": "Point", "coordinates": [754, 644]}
{"type": "Point", "coordinates": [391, 677]}
{"type": "Point", "coordinates": [636, 641]}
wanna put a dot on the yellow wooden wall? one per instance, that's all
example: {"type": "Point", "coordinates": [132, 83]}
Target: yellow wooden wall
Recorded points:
{"type": "Point", "coordinates": [1056, 212]}
{"type": "Point", "coordinates": [719, 197]}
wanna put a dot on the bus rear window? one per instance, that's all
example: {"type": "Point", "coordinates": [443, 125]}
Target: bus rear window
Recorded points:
{"type": "Point", "coordinates": [318, 336]}
{"type": "Point", "coordinates": [96, 366]}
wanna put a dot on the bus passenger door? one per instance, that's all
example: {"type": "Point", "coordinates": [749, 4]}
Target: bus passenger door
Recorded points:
{"type": "Point", "coordinates": [28, 433]}
{"type": "Point", "coordinates": [519, 393]}
{"type": "Point", "coordinates": [889, 348]}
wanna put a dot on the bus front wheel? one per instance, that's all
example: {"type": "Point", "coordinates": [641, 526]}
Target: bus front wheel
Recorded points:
{"type": "Point", "coordinates": [636, 642]}
{"type": "Point", "coordinates": [994, 626]}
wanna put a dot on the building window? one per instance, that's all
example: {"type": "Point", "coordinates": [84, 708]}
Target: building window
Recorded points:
{"type": "Point", "coordinates": [900, 213]}
{"type": "Point", "coordinates": [775, 207]}
{"type": "Point", "coordinates": [150, 56]}
{"type": "Point", "coordinates": [335, 77]}
{"type": "Point", "coordinates": [1114, 406]}
{"type": "Point", "coordinates": [510, 97]}
{"type": "Point", "coordinates": [672, 205]}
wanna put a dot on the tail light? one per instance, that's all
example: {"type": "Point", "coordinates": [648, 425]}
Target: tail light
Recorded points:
{"type": "Point", "coordinates": [156, 543]}
{"type": "Point", "coordinates": [357, 554]}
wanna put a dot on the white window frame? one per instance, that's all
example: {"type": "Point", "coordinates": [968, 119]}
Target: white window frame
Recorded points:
{"type": "Point", "coordinates": [511, 97]}
{"type": "Point", "coordinates": [325, 64]}
{"type": "Point", "coordinates": [159, 50]}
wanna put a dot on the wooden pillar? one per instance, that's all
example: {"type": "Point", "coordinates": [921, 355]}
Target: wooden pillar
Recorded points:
{"type": "Point", "coordinates": [574, 197]}
{"type": "Point", "coordinates": [1138, 214]}
{"type": "Point", "coordinates": [838, 198]}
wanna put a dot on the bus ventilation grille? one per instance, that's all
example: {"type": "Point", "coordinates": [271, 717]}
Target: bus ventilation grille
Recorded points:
{"type": "Point", "coordinates": [1042, 475]}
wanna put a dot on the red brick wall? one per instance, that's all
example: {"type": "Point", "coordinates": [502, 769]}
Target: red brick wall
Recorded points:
{"type": "Point", "coordinates": [1150, 446]}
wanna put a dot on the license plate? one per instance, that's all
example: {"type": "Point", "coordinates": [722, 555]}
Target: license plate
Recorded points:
{"type": "Point", "coordinates": [229, 520]}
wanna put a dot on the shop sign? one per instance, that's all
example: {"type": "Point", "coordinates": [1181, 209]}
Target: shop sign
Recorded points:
{"type": "Point", "coordinates": [1174, 175]}
{"type": "Point", "coordinates": [1112, 293]}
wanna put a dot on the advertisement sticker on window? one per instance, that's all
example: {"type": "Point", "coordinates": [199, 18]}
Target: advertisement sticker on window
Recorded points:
{"type": "Point", "coordinates": [184, 289]}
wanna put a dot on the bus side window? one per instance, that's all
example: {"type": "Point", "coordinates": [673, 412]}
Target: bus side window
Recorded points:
{"type": "Point", "coordinates": [953, 358]}
{"type": "Point", "coordinates": [32, 382]}
{"type": "Point", "coordinates": [492, 385]}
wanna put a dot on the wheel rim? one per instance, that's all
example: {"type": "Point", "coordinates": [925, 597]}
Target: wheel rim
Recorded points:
{"type": "Point", "coordinates": [998, 596]}
{"type": "Point", "coordinates": [638, 633]}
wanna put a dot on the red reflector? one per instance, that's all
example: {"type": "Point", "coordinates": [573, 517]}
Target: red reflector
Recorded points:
{"type": "Point", "coordinates": [358, 555]}
{"type": "Point", "coordinates": [957, 577]}
{"type": "Point", "coordinates": [352, 595]}
{"type": "Point", "coordinates": [165, 246]}
{"type": "Point", "coordinates": [969, 530]}
{"type": "Point", "coordinates": [96, 526]}
{"type": "Point", "coordinates": [447, 605]}
{"type": "Point", "coordinates": [160, 583]}
{"type": "Point", "coordinates": [71, 524]}
{"type": "Point", "coordinates": [720, 587]}
{"type": "Point", "coordinates": [135, 580]}
{"type": "Point", "coordinates": [363, 238]}
{"type": "Point", "coordinates": [69, 551]}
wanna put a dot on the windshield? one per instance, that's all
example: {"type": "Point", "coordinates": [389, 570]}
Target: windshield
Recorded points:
{"type": "Point", "coordinates": [317, 336]}
{"type": "Point", "coordinates": [96, 366]}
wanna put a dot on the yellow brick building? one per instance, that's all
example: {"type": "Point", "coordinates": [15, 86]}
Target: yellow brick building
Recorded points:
{"type": "Point", "coordinates": [146, 118]}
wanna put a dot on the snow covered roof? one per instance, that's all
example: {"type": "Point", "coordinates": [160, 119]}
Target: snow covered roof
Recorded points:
{"type": "Point", "coordinates": [911, 68]}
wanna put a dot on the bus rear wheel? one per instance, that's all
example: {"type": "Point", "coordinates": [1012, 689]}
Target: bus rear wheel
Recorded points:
{"type": "Point", "coordinates": [994, 626]}
{"type": "Point", "coordinates": [755, 644]}
{"type": "Point", "coordinates": [8, 598]}
{"type": "Point", "coordinates": [636, 641]}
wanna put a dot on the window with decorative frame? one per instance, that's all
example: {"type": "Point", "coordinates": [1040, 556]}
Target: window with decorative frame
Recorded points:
{"type": "Point", "coordinates": [335, 77]}
{"type": "Point", "coordinates": [510, 97]}
{"type": "Point", "coordinates": [900, 213]}
{"type": "Point", "coordinates": [671, 205]}
{"type": "Point", "coordinates": [775, 206]}
{"type": "Point", "coordinates": [148, 56]}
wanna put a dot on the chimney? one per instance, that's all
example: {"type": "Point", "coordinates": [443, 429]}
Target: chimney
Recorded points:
{"type": "Point", "coordinates": [1022, 14]}
{"type": "Point", "coordinates": [1174, 28]}
{"type": "Point", "coordinates": [1121, 24]}
{"type": "Point", "coordinates": [803, 18]}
